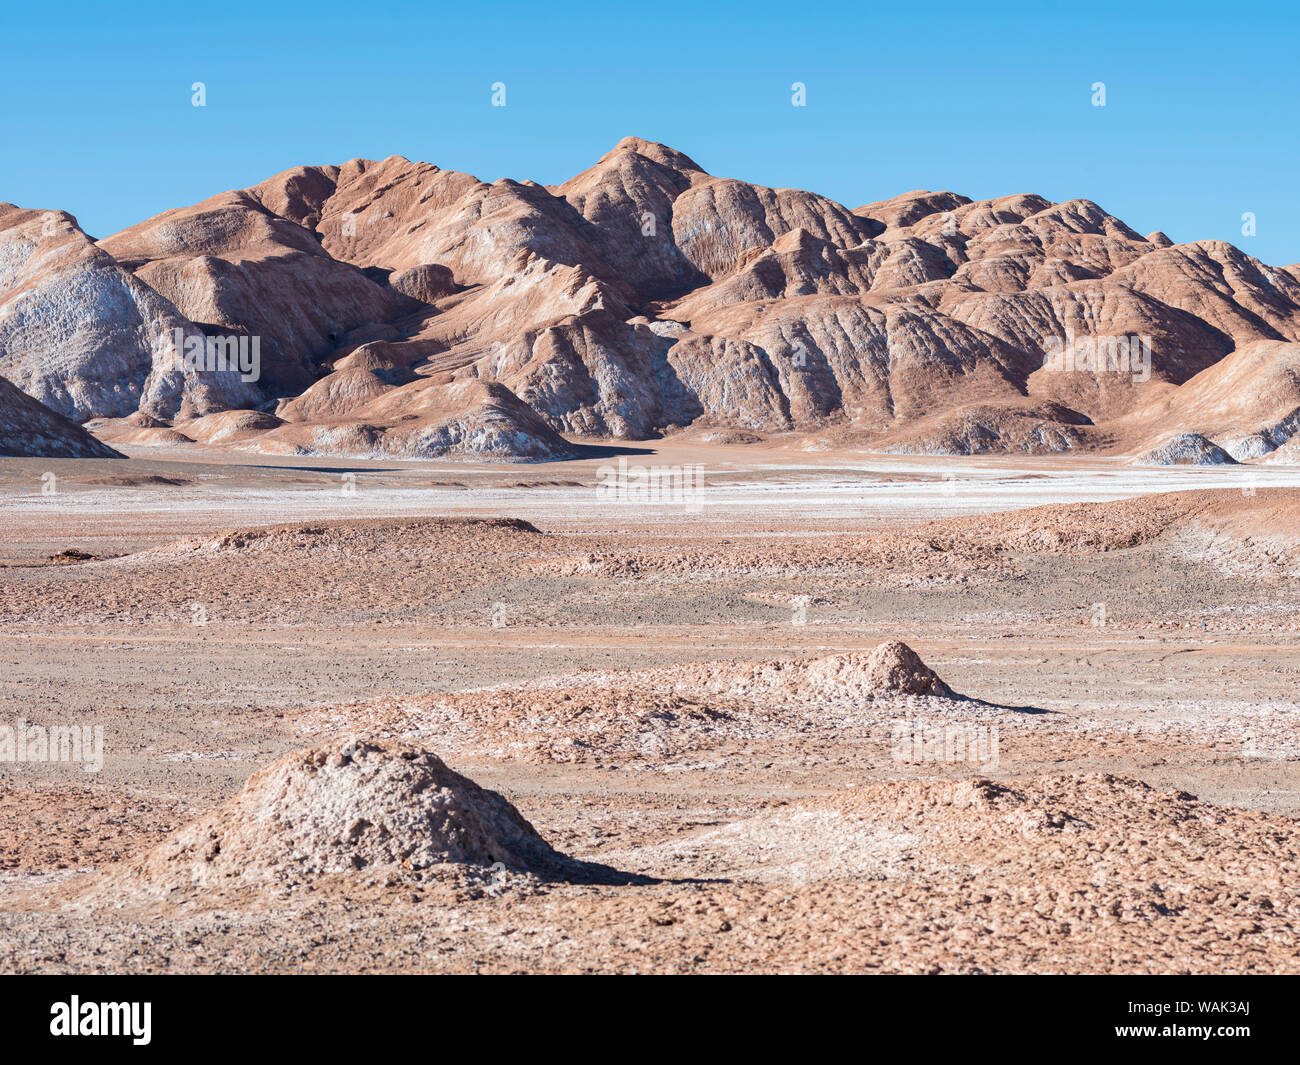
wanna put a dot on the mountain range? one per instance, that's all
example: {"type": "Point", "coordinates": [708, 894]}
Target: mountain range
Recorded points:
{"type": "Point", "coordinates": [403, 310]}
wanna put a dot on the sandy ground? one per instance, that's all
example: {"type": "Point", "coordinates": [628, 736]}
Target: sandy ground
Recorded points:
{"type": "Point", "coordinates": [1126, 669]}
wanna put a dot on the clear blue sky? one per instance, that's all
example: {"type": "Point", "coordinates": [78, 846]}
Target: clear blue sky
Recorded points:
{"type": "Point", "coordinates": [986, 99]}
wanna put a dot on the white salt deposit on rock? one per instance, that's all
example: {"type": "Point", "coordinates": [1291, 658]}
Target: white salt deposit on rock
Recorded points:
{"type": "Point", "coordinates": [1186, 449]}
{"type": "Point", "coordinates": [351, 805]}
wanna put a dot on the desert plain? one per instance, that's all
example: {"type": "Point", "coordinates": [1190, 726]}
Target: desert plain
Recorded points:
{"type": "Point", "coordinates": [708, 751]}
{"type": "Point", "coordinates": [651, 572]}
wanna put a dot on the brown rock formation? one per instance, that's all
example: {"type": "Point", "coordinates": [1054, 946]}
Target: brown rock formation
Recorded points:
{"type": "Point", "coordinates": [85, 336]}
{"type": "Point", "coordinates": [30, 429]}
{"type": "Point", "coordinates": [407, 309]}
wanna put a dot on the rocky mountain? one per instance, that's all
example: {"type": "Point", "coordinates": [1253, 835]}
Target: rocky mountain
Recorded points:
{"type": "Point", "coordinates": [80, 332]}
{"type": "Point", "coordinates": [28, 428]}
{"type": "Point", "coordinates": [406, 310]}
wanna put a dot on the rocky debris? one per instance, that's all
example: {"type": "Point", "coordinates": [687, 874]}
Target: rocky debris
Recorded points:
{"type": "Point", "coordinates": [369, 568]}
{"type": "Point", "coordinates": [397, 540]}
{"type": "Point", "coordinates": [1075, 872]}
{"type": "Point", "coordinates": [72, 554]}
{"type": "Point", "coordinates": [350, 806]}
{"type": "Point", "coordinates": [72, 826]}
{"type": "Point", "coordinates": [1186, 449]}
{"type": "Point", "coordinates": [29, 428]}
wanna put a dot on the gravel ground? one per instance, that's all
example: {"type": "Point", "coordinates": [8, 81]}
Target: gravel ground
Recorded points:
{"type": "Point", "coordinates": [595, 665]}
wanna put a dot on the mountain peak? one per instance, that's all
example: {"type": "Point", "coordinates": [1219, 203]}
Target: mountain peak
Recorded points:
{"type": "Point", "coordinates": [655, 152]}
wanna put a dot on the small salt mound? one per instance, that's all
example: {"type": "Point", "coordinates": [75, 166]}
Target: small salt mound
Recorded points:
{"type": "Point", "coordinates": [895, 667]}
{"type": "Point", "coordinates": [344, 807]}
{"type": "Point", "coordinates": [892, 668]}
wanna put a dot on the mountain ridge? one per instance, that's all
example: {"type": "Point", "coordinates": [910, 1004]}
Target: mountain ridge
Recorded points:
{"type": "Point", "coordinates": [408, 310]}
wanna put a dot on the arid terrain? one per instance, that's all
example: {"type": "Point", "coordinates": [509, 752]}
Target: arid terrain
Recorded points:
{"type": "Point", "coordinates": [823, 711]}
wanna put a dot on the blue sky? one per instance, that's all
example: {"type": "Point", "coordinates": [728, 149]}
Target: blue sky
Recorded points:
{"type": "Point", "coordinates": [986, 99]}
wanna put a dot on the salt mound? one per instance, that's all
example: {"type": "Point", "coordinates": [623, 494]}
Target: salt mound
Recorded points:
{"type": "Point", "coordinates": [895, 667]}
{"type": "Point", "coordinates": [343, 807]}
{"type": "Point", "coordinates": [892, 668]}
{"type": "Point", "coordinates": [395, 537]}
{"type": "Point", "coordinates": [904, 830]}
